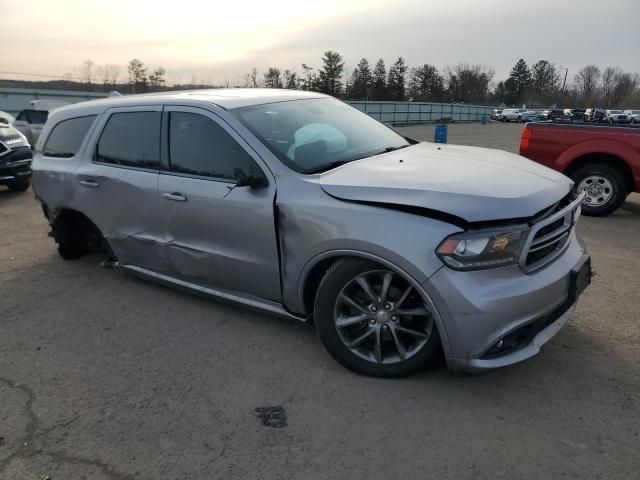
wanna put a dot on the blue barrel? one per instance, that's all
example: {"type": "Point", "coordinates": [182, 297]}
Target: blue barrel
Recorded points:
{"type": "Point", "coordinates": [483, 120]}
{"type": "Point", "coordinates": [440, 134]}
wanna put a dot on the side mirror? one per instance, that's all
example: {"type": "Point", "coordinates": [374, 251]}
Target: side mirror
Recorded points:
{"type": "Point", "coordinates": [251, 180]}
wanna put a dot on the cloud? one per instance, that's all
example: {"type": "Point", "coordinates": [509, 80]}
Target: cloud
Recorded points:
{"type": "Point", "coordinates": [220, 39]}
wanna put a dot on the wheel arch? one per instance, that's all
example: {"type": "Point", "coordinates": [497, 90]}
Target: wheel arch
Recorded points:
{"type": "Point", "coordinates": [67, 217]}
{"type": "Point", "coordinates": [315, 269]}
{"type": "Point", "coordinates": [613, 160]}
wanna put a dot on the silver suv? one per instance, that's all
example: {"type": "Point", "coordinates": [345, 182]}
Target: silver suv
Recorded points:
{"type": "Point", "coordinates": [300, 205]}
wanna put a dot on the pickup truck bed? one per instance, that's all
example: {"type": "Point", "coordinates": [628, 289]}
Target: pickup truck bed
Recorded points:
{"type": "Point", "coordinates": [603, 160]}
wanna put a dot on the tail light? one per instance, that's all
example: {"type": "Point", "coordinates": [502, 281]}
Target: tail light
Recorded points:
{"type": "Point", "coordinates": [524, 140]}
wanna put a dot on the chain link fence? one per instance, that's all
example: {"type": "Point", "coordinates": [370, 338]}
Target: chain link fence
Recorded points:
{"type": "Point", "coordinates": [422, 112]}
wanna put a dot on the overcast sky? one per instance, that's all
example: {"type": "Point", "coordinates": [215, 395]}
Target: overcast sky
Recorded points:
{"type": "Point", "coordinates": [216, 40]}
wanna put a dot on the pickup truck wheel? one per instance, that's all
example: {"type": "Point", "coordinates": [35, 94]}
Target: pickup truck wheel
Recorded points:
{"type": "Point", "coordinates": [372, 321]}
{"type": "Point", "coordinates": [605, 187]}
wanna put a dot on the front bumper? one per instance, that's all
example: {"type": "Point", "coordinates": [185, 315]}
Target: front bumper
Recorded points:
{"type": "Point", "coordinates": [479, 308]}
{"type": "Point", "coordinates": [16, 165]}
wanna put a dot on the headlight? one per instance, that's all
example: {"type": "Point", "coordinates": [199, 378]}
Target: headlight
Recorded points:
{"type": "Point", "coordinates": [481, 250]}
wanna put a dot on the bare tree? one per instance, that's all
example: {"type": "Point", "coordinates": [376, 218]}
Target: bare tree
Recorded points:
{"type": "Point", "coordinates": [86, 72]}
{"type": "Point", "coordinates": [108, 74]}
{"type": "Point", "coordinates": [586, 84]}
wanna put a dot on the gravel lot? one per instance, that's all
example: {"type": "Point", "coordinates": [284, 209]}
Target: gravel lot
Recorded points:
{"type": "Point", "coordinates": [103, 376]}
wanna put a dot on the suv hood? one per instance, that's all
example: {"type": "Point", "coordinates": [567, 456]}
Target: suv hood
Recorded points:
{"type": "Point", "coordinates": [474, 184]}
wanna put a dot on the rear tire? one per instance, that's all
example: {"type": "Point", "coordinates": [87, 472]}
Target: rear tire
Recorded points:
{"type": "Point", "coordinates": [19, 185]}
{"type": "Point", "coordinates": [76, 235]}
{"type": "Point", "coordinates": [606, 188]}
{"type": "Point", "coordinates": [388, 332]}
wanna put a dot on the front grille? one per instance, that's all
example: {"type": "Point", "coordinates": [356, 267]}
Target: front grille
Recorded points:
{"type": "Point", "coordinates": [549, 236]}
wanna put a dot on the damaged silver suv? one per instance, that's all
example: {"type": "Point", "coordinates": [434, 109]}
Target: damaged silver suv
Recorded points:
{"type": "Point", "coordinates": [300, 205]}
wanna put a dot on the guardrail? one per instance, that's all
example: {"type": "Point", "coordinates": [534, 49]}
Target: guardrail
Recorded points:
{"type": "Point", "coordinates": [422, 112]}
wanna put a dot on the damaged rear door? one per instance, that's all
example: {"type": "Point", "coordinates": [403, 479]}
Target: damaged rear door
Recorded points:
{"type": "Point", "coordinates": [117, 186]}
{"type": "Point", "coordinates": [217, 233]}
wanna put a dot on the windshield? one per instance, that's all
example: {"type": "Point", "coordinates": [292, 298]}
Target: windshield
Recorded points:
{"type": "Point", "coordinates": [312, 135]}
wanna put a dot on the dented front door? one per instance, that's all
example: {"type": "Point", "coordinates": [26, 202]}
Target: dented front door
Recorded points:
{"type": "Point", "coordinates": [216, 234]}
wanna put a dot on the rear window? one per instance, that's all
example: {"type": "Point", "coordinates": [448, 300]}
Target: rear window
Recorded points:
{"type": "Point", "coordinates": [33, 116]}
{"type": "Point", "coordinates": [131, 139]}
{"type": "Point", "coordinates": [66, 137]}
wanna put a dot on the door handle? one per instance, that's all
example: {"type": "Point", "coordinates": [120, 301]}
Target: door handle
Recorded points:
{"type": "Point", "coordinates": [175, 196]}
{"type": "Point", "coordinates": [89, 183]}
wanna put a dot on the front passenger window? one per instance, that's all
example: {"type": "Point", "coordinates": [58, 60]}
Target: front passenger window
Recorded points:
{"type": "Point", "coordinates": [199, 146]}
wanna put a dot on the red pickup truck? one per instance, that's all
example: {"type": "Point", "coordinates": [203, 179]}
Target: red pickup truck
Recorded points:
{"type": "Point", "coordinates": [603, 160]}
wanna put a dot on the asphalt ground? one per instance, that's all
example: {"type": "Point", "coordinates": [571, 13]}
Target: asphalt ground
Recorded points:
{"type": "Point", "coordinates": [104, 376]}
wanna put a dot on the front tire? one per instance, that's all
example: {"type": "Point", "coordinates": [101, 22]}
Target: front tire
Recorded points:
{"type": "Point", "coordinates": [19, 185]}
{"type": "Point", "coordinates": [605, 186]}
{"type": "Point", "coordinates": [372, 321]}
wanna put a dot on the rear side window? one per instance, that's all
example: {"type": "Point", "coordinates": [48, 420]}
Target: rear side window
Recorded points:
{"type": "Point", "coordinates": [33, 116]}
{"type": "Point", "coordinates": [199, 146]}
{"type": "Point", "coordinates": [131, 139]}
{"type": "Point", "coordinates": [66, 137]}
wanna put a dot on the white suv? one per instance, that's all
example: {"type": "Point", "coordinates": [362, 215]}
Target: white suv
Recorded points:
{"type": "Point", "coordinates": [512, 114]}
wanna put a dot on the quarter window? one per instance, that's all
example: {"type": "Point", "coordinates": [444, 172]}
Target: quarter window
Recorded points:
{"type": "Point", "coordinates": [66, 137]}
{"type": "Point", "coordinates": [199, 146]}
{"type": "Point", "coordinates": [131, 139]}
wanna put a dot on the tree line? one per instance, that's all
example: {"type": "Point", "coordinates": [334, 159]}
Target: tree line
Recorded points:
{"type": "Point", "coordinates": [542, 83]}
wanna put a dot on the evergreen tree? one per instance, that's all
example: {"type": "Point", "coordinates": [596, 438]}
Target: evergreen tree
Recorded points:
{"type": "Point", "coordinates": [545, 80]}
{"type": "Point", "coordinates": [272, 78]}
{"type": "Point", "coordinates": [361, 81]}
{"type": "Point", "coordinates": [157, 78]}
{"type": "Point", "coordinates": [290, 80]}
{"type": "Point", "coordinates": [426, 84]}
{"type": "Point", "coordinates": [520, 77]}
{"type": "Point", "coordinates": [331, 73]}
{"type": "Point", "coordinates": [379, 85]}
{"type": "Point", "coordinates": [137, 76]}
{"type": "Point", "coordinates": [396, 80]}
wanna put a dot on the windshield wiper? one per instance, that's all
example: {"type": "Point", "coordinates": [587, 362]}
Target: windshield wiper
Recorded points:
{"type": "Point", "coordinates": [391, 149]}
{"type": "Point", "coordinates": [327, 166]}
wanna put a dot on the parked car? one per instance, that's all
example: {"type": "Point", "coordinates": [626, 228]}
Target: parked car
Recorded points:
{"type": "Point", "coordinates": [512, 114]}
{"type": "Point", "coordinates": [553, 114]}
{"type": "Point", "coordinates": [496, 114]}
{"type": "Point", "coordinates": [7, 117]}
{"type": "Point", "coordinates": [15, 157]}
{"type": "Point", "coordinates": [603, 162]}
{"type": "Point", "coordinates": [30, 123]}
{"type": "Point", "coordinates": [595, 115]}
{"type": "Point", "coordinates": [574, 114]}
{"type": "Point", "coordinates": [292, 202]}
{"type": "Point", "coordinates": [633, 116]}
{"type": "Point", "coordinates": [531, 116]}
{"type": "Point", "coordinates": [615, 116]}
